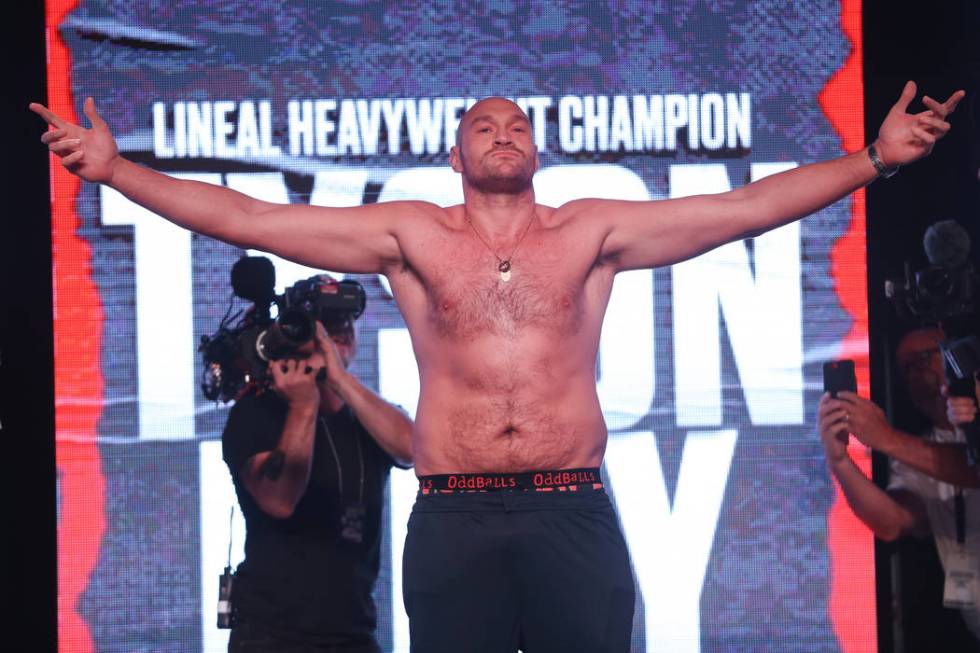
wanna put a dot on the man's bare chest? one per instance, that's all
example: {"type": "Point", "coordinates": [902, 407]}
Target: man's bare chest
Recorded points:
{"type": "Point", "coordinates": [469, 293]}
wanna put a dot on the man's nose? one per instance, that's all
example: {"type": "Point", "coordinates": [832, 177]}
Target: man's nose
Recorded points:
{"type": "Point", "coordinates": [502, 138]}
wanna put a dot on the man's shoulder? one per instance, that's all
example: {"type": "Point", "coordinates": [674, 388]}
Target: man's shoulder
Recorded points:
{"type": "Point", "coordinates": [596, 207]}
{"type": "Point", "coordinates": [589, 213]}
{"type": "Point", "coordinates": [417, 208]}
{"type": "Point", "coordinates": [414, 215]}
{"type": "Point", "coordinates": [573, 207]}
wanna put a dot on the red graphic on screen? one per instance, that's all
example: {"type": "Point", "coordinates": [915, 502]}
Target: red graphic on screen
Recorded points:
{"type": "Point", "coordinates": [78, 376]}
{"type": "Point", "coordinates": [851, 544]}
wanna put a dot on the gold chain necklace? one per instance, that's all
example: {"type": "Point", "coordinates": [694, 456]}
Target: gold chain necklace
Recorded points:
{"type": "Point", "coordinates": [503, 264]}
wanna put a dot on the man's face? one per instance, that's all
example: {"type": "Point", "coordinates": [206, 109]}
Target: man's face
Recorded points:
{"type": "Point", "coordinates": [921, 365]}
{"type": "Point", "coordinates": [344, 342]}
{"type": "Point", "coordinates": [494, 149]}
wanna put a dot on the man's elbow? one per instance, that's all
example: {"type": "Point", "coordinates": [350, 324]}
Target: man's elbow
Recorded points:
{"type": "Point", "coordinates": [885, 526]}
{"type": "Point", "coordinates": [278, 509]}
{"type": "Point", "coordinates": [894, 528]}
{"type": "Point", "coordinates": [888, 533]}
{"type": "Point", "coordinates": [405, 458]}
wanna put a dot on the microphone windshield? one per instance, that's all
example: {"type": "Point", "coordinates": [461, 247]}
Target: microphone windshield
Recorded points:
{"type": "Point", "coordinates": [254, 278]}
{"type": "Point", "coordinates": [947, 244]}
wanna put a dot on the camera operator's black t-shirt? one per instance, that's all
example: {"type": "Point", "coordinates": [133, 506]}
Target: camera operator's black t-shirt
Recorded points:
{"type": "Point", "coordinates": [300, 576]}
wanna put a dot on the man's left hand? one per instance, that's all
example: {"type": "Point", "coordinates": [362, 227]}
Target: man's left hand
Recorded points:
{"type": "Point", "coordinates": [865, 420]}
{"type": "Point", "coordinates": [905, 137]}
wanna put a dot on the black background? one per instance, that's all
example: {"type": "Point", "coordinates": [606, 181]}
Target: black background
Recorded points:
{"type": "Point", "coordinates": [935, 44]}
{"type": "Point", "coordinates": [939, 49]}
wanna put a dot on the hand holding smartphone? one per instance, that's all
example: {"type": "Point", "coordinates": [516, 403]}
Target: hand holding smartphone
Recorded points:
{"type": "Point", "coordinates": [838, 376]}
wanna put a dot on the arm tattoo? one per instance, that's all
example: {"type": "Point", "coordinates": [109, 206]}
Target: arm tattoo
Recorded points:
{"type": "Point", "coordinates": [272, 467]}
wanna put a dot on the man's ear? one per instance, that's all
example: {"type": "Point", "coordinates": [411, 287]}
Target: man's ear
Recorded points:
{"type": "Point", "coordinates": [455, 160]}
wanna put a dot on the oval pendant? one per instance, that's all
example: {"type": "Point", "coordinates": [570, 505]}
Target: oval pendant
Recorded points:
{"type": "Point", "coordinates": [505, 275]}
{"type": "Point", "coordinates": [504, 266]}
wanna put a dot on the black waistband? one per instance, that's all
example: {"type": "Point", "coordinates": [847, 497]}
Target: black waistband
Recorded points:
{"type": "Point", "coordinates": [561, 480]}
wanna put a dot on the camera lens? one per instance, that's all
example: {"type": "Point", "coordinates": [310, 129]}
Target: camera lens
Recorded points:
{"type": "Point", "coordinates": [293, 329]}
{"type": "Point", "coordinates": [296, 327]}
{"type": "Point", "coordinates": [935, 283]}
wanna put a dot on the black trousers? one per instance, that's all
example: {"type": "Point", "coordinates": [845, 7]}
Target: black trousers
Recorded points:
{"type": "Point", "coordinates": [252, 637]}
{"type": "Point", "coordinates": [497, 571]}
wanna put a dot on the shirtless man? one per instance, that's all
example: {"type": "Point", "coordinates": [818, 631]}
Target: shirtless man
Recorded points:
{"type": "Point", "coordinates": [504, 299]}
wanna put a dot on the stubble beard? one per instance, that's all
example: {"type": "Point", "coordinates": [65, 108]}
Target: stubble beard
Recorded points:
{"type": "Point", "coordinates": [511, 181]}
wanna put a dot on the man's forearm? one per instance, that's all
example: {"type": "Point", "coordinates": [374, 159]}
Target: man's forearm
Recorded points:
{"type": "Point", "coordinates": [281, 479]}
{"type": "Point", "coordinates": [207, 209]}
{"type": "Point", "coordinates": [872, 505]}
{"type": "Point", "coordinates": [653, 234]}
{"type": "Point", "coordinates": [388, 425]}
{"type": "Point", "coordinates": [941, 460]}
{"type": "Point", "coordinates": [793, 194]}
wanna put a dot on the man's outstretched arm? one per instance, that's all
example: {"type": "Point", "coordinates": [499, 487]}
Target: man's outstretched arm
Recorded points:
{"type": "Point", "coordinates": [358, 239]}
{"type": "Point", "coordinates": [889, 514]}
{"type": "Point", "coordinates": [652, 234]}
{"type": "Point", "coordinates": [944, 461]}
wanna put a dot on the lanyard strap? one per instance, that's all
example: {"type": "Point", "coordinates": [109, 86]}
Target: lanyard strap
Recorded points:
{"type": "Point", "coordinates": [959, 505]}
{"type": "Point", "coordinates": [336, 458]}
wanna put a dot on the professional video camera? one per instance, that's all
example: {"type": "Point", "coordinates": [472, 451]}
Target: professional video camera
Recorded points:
{"type": "Point", "coordinates": [236, 356]}
{"type": "Point", "coordinates": [945, 289]}
{"type": "Point", "coordinates": [944, 293]}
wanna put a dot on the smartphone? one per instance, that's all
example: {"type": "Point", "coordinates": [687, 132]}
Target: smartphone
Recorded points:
{"type": "Point", "coordinates": [839, 375]}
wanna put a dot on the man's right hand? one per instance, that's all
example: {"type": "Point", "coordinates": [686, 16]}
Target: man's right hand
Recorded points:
{"type": "Point", "coordinates": [962, 410]}
{"type": "Point", "coordinates": [832, 422]}
{"type": "Point", "coordinates": [295, 381]}
{"type": "Point", "coordinates": [91, 154]}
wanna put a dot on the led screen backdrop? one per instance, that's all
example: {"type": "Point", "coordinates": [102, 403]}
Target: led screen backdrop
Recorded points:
{"type": "Point", "coordinates": [709, 371]}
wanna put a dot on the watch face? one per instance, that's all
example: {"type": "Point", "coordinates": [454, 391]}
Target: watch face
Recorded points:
{"type": "Point", "coordinates": [352, 523]}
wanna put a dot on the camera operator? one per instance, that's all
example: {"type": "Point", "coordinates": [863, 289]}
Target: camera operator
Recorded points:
{"type": "Point", "coordinates": [931, 486]}
{"type": "Point", "coordinates": [310, 460]}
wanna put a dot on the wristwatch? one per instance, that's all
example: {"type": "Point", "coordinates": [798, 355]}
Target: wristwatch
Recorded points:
{"type": "Point", "coordinates": [883, 170]}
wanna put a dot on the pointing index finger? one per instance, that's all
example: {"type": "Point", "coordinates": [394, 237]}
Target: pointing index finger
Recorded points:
{"type": "Point", "coordinates": [945, 108]}
{"type": "Point", "coordinates": [49, 116]}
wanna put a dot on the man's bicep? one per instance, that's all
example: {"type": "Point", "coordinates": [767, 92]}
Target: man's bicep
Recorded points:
{"type": "Point", "coordinates": [656, 233]}
{"type": "Point", "coordinates": [261, 466]}
{"type": "Point", "coordinates": [359, 239]}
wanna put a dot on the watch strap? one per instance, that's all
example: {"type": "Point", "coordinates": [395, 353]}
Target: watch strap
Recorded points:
{"type": "Point", "coordinates": [880, 167]}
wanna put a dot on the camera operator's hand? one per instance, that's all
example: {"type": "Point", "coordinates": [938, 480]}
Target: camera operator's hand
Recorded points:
{"type": "Point", "coordinates": [832, 422]}
{"type": "Point", "coordinates": [962, 410]}
{"type": "Point", "coordinates": [336, 365]}
{"type": "Point", "coordinates": [865, 420]}
{"type": "Point", "coordinates": [295, 381]}
{"type": "Point", "coordinates": [89, 153]}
